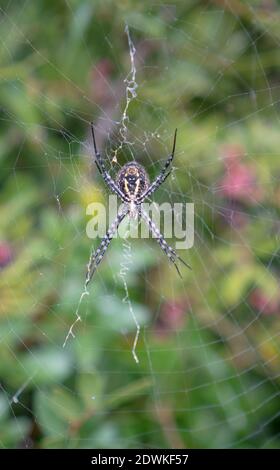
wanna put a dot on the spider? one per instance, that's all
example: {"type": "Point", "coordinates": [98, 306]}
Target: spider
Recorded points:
{"type": "Point", "coordinates": [133, 187]}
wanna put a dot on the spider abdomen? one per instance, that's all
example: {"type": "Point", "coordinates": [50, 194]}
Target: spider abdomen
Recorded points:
{"type": "Point", "coordinates": [132, 180]}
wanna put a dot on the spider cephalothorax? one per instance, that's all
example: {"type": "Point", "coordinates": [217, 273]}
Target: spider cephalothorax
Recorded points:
{"type": "Point", "coordinates": [132, 180]}
{"type": "Point", "coordinates": [133, 187]}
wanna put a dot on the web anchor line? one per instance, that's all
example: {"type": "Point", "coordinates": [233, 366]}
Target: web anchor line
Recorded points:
{"type": "Point", "coordinates": [123, 272]}
{"type": "Point", "coordinates": [77, 319]}
{"type": "Point", "coordinates": [130, 93]}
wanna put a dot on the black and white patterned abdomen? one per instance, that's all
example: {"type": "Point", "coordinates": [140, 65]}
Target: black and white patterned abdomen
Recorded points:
{"type": "Point", "coordinates": [132, 180]}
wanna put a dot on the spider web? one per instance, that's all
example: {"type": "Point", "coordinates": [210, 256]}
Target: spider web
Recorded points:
{"type": "Point", "coordinates": [142, 358]}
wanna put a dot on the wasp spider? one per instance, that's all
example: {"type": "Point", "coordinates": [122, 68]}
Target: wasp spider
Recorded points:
{"type": "Point", "coordinates": [133, 187]}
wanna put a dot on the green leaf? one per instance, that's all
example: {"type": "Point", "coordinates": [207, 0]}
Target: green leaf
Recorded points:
{"type": "Point", "coordinates": [4, 407]}
{"type": "Point", "coordinates": [51, 422]}
{"type": "Point", "coordinates": [68, 406]}
{"type": "Point", "coordinates": [15, 431]}
{"type": "Point", "coordinates": [47, 365]}
{"type": "Point", "coordinates": [91, 389]}
{"type": "Point", "coordinates": [118, 314]}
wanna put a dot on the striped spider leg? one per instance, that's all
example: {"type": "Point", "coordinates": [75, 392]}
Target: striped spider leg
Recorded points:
{"type": "Point", "coordinates": [103, 172]}
{"type": "Point", "coordinates": [170, 252]}
{"type": "Point", "coordinates": [163, 174]}
{"type": "Point", "coordinates": [97, 255]}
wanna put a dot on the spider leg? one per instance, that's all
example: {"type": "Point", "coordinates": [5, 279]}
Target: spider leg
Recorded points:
{"type": "Point", "coordinates": [170, 252]}
{"type": "Point", "coordinates": [102, 170]}
{"type": "Point", "coordinates": [96, 256]}
{"type": "Point", "coordinates": [163, 175]}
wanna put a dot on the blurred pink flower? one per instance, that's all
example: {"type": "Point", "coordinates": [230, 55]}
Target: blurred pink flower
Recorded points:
{"type": "Point", "coordinates": [261, 302]}
{"type": "Point", "coordinates": [172, 316]}
{"type": "Point", "coordinates": [101, 81]}
{"type": "Point", "coordinates": [5, 254]}
{"type": "Point", "coordinates": [239, 182]}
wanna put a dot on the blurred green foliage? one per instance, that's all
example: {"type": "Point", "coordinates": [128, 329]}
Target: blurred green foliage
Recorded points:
{"type": "Point", "coordinates": [209, 357]}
